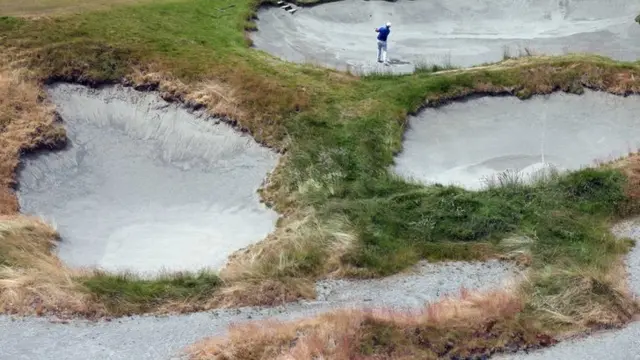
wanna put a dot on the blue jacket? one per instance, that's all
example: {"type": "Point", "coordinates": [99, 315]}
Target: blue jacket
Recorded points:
{"type": "Point", "coordinates": [383, 32]}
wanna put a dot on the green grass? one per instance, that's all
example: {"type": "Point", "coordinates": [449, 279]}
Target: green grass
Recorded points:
{"type": "Point", "coordinates": [412, 218]}
{"type": "Point", "coordinates": [127, 293]}
{"type": "Point", "coordinates": [399, 223]}
{"type": "Point", "coordinates": [341, 134]}
{"type": "Point", "coordinates": [194, 40]}
{"type": "Point", "coordinates": [56, 7]}
{"type": "Point", "coordinates": [104, 47]}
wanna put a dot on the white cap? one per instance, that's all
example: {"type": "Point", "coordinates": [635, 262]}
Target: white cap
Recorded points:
{"type": "Point", "coordinates": [388, 24]}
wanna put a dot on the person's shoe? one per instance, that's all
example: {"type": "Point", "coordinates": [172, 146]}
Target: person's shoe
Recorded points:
{"type": "Point", "coordinates": [379, 60]}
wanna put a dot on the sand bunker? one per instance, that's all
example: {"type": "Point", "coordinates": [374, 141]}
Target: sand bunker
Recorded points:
{"type": "Point", "coordinates": [145, 185]}
{"type": "Point", "coordinates": [467, 143]}
{"type": "Point", "coordinates": [459, 32]}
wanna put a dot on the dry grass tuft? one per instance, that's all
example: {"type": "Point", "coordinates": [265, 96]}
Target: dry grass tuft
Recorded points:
{"type": "Point", "coordinates": [474, 324]}
{"type": "Point", "coordinates": [32, 279]}
{"type": "Point", "coordinates": [300, 236]}
{"type": "Point", "coordinates": [27, 122]}
{"type": "Point", "coordinates": [283, 266]}
{"type": "Point", "coordinates": [219, 99]}
{"type": "Point", "coordinates": [538, 75]}
{"type": "Point", "coordinates": [630, 165]}
{"type": "Point", "coordinates": [590, 299]}
{"type": "Point", "coordinates": [267, 292]}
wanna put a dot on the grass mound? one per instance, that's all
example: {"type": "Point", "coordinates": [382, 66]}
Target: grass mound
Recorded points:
{"type": "Point", "coordinates": [127, 293]}
{"type": "Point", "coordinates": [470, 327]}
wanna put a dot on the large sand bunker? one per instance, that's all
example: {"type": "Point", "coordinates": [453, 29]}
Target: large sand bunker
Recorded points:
{"type": "Point", "coordinates": [459, 32]}
{"type": "Point", "coordinates": [145, 185]}
{"type": "Point", "coordinates": [468, 143]}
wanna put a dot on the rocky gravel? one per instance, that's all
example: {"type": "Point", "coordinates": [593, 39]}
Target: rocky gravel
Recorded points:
{"type": "Point", "coordinates": [151, 337]}
{"type": "Point", "coordinates": [165, 337]}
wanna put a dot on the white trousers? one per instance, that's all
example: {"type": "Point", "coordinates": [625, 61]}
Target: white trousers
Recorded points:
{"type": "Point", "coordinates": [382, 51]}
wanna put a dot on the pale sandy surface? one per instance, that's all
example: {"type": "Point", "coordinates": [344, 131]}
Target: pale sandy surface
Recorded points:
{"type": "Point", "coordinates": [468, 143]}
{"type": "Point", "coordinates": [145, 185]}
{"type": "Point", "coordinates": [458, 32]}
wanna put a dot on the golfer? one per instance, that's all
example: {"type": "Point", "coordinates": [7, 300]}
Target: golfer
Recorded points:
{"type": "Point", "coordinates": [383, 33]}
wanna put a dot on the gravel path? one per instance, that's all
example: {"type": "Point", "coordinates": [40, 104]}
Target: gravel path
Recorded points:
{"type": "Point", "coordinates": [611, 345]}
{"type": "Point", "coordinates": [159, 338]}
{"type": "Point", "coordinates": [146, 337]}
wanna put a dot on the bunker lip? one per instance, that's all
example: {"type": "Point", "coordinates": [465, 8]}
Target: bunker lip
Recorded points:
{"type": "Point", "coordinates": [174, 97]}
{"type": "Point", "coordinates": [340, 35]}
{"type": "Point", "coordinates": [445, 165]}
{"type": "Point", "coordinates": [73, 169]}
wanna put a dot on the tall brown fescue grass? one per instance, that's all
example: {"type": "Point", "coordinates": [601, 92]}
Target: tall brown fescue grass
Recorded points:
{"type": "Point", "coordinates": [473, 324]}
{"type": "Point", "coordinates": [27, 122]}
{"type": "Point", "coordinates": [591, 299]}
{"type": "Point", "coordinates": [217, 98]}
{"type": "Point", "coordinates": [283, 267]}
{"type": "Point", "coordinates": [32, 279]}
